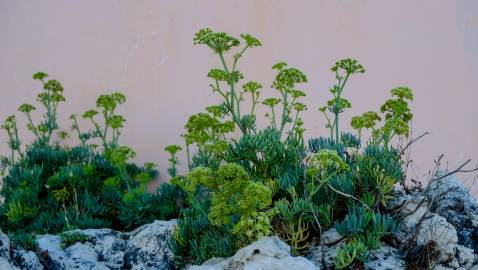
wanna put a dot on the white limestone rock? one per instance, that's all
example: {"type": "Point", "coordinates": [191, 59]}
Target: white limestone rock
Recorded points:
{"type": "Point", "coordinates": [268, 253]}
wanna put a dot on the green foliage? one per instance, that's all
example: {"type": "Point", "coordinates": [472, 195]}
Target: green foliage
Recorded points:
{"type": "Point", "coordinates": [296, 217]}
{"type": "Point", "coordinates": [207, 132]}
{"type": "Point", "coordinates": [110, 129]}
{"type": "Point", "coordinates": [367, 226]}
{"type": "Point", "coordinates": [234, 196]}
{"type": "Point", "coordinates": [351, 252]}
{"type": "Point", "coordinates": [70, 238]}
{"type": "Point", "coordinates": [23, 240]}
{"type": "Point", "coordinates": [226, 77]}
{"type": "Point", "coordinates": [49, 98]}
{"type": "Point", "coordinates": [337, 105]}
{"type": "Point", "coordinates": [49, 188]}
{"type": "Point", "coordinates": [11, 128]}
{"type": "Point", "coordinates": [237, 189]}
{"type": "Point", "coordinates": [378, 170]}
{"type": "Point", "coordinates": [173, 160]}
{"type": "Point", "coordinates": [285, 83]}
{"type": "Point", "coordinates": [54, 189]}
{"type": "Point", "coordinates": [196, 239]}
{"type": "Point", "coordinates": [265, 155]}
{"type": "Point", "coordinates": [367, 120]}
{"type": "Point", "coordinates": [335, 180]}
{"type": "Point", "coordinates": [396, 115]}
{"type": "Point", "coordinates": [164, 204]}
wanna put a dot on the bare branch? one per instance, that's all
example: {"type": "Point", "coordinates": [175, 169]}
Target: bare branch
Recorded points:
{"type": "Point", "coordinates": [457, 170]}
{"type": "Point", "coordinates": [412, 141]}
{"type": "Point", "coordinates": [349, 196]}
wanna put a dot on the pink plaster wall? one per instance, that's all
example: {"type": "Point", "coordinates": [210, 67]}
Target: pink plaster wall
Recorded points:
{"type": "Point", "coordinates": [144, 48]}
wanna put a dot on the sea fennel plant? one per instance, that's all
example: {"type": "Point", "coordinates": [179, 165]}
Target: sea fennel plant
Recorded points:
{"type": "Point", "coordinates": [49, 188]}
{"type": "Point", "coordinates": [312, 187]}
{"type": "Point", "coordinates": [226, 77]}
{"type": "Point", "coordinates": [343, 69]}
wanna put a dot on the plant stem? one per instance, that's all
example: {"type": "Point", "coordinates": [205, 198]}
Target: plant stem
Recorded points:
{"type": "Point", "coordinates": [236, 115]}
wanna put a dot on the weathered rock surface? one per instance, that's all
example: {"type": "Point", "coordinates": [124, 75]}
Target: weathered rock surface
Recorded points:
{"type": "Point", "coordinates": [26, 260]}
{"type": "Point", "coordinates": [5, 261]}
{"type": "Point", "coordinates": [445, 214]}
{"type": "Point", "coordinates": [269, 253]}
{"type": "Point", "coordinates": [324, 256]}
{"type": "Point", "coordinates": [147, 247]}
{"type": "Point", "coordinates": [331, 237]}
{"type": "Point", "coordinates": [453, 201]}
{"type": "Point", "coordinates": [142, 249]}
{"type": "Point", "coordinates": [435, 228]}
{"type": "Point", "coordinates": [385, 258]}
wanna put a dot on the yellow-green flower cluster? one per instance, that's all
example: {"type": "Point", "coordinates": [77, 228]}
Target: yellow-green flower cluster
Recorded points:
{"type": "Point", "coordinates": [234, 194]}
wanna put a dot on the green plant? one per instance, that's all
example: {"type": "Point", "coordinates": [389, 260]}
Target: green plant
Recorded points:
{"type": "Point", "coordinates": [49, 98]}
{"type": "Point", "coordinates": [397, 116]}
{"type": "Point", "coordinates": [21, 239]}
{"type": "Point", "coordinates": [196, 239]}
{"type": "Point", "coordinates": [355, 222]}
{"type": "Point", "coordinates": [379, 169]}
{"type": "Point", "coordinates": [351, 252]}
{"type": "Point", "coordinates": [110, 130]}
{"type": "Point", "coordinates": [70, 238]}
{"type": "Point", "coordinates": [367, 226]}
{"type": "Point", "coordinates": [233, 195]}
{"type": "Point", "coordinates": [10, 126]}
{"type": "Point", "coordinates": [173, 160]}
{"type": "Point", "coordinates": [226, 78]}
{"type": "Point", "coordinates": [208, 133]}
{"type": "Point", "coordinates": [296, 216]}
{"type": "Point", "coordinates": [221, 43]}
{"type": "Point", "coordinates": [335, 181]}
{"type": "Point", "coordinates": [337, 105]}
{"type": "Point", "coordinates": [49, 188]}
{"type": "Point", "coordinates": [285, 83]}
{"type": "Point", "coordinates": [266, 156]}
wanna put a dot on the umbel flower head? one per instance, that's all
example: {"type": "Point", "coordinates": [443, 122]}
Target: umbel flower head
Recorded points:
{"type": "Point", "coordinates": [349, 65]}
{"type": "Point", "coordinates": [220, 42]}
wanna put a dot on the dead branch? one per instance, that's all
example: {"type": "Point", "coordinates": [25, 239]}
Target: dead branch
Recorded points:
{"type": "Point", "coordinates": [457, 170]}
{"type": "Point", "coordinates": [412, 141]}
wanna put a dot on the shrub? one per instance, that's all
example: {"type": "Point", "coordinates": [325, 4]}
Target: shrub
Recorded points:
{"type": "Point", "coordinates": [335, 179]}
{"type": "Point", "coordinates": [49, 188]}
{"type": "Point", "coordinates": [235, 200]}
{"type": "Point", "coordinates": [70, 238]}
{"type": "Point", "coordinates": [365, 225]}
{"type": "Point", "coordinates": [352, 252]}
{"type": "Point", "coordinates": [196, 239]}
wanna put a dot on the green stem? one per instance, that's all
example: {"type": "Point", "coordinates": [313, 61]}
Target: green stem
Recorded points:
{"type": "Point", "coordinates": [188, 154]}
{"type": "Point", "coordinates": [295, 121]}
{"type": "Point", "coordinates": [339, 92]}
{"type": "Point", "coordinates": [234, 100]}
{"type": "Point", "coordinates": [284, 112]}
{"type": "Point", "coordinates": [273, 118]}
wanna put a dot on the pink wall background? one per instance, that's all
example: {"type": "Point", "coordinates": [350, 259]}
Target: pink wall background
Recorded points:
{"type": "Point", "coordinates": [144, 49]}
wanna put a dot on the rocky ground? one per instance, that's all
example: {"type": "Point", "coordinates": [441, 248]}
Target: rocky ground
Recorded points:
{"type": "Point", "coordinates": [438, 229]}
{"type": "Point", "coordinates": [105, 249]}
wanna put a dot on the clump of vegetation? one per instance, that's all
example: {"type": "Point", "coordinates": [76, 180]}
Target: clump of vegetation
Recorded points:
{"type": "Point", "coordinates": [196, 239]}
{"type": "Point", "coordinates": [353, 254]}
{"type": "Point", "coordinates": [335, 180]}
{"type": "Point", "coordinates": [422, 256]}
{"type": "Point", "coordinates": [49, 188]}
{"type": "Point", "coordinates": [70, 238]}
